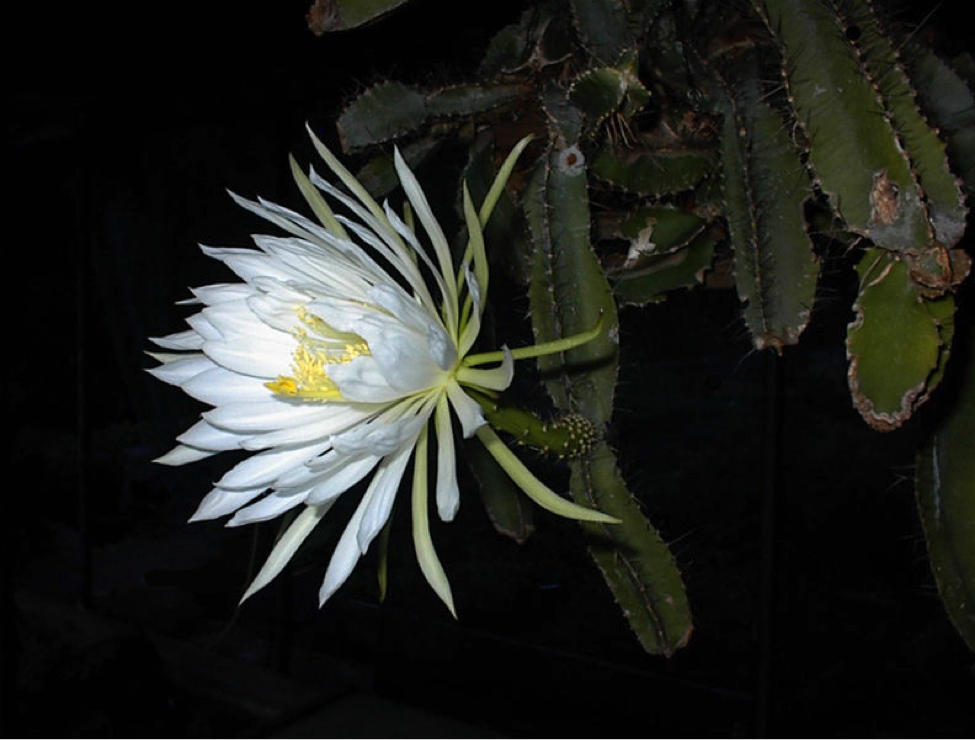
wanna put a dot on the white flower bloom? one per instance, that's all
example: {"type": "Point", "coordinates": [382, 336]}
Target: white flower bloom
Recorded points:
{"type": "Point", "coordinates": [330, 361]}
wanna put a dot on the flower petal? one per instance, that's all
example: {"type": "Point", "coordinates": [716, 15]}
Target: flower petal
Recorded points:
{"type": "Point", "coordinates": [265, 416]}
{"type": "Point", "coordinates": [384, 485]}
{"type": "Point", "coordinates": [340, 476]}
{"type": "Point", "coordinates": [263, 468]}
{"type": "Point", "coordinates": [205, 436]}
{"type": "Point", "coordinates": [286, 547]}
{"type": "Point", "coordinates": [182, 454]}
{"type": "Point", "coordinates": [335, 419]}
{"type": "Point", "coordinates": [186, 340]}
{"type": "Point", "coordinates": [252, 356]}
{"type": "Point", "coordinates": [448, 494]}
{"type": "Point", "coordinates": [177, 372]}
{"type": "Point", "coordinates": [268, 507]}
{"type": "Point", "coordinates": [422, 541]}
{"type": "Point", "coordinates": [385, 434]}
{"type": "Point", "coordinates": [218, 386]}
{"type": "Point", "coordinates": [534, 488]}
{"type": "Point", "coordinates": [221, 501]}
{"type": "Point", "coordinates": [467, 409]}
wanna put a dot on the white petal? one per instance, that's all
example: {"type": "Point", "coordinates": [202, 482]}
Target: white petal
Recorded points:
{"type": "Point", "coordinates": [251, 356]}
{"type": "Point", "coordinates": [425, 214]}
{"type": "Point", "coordinates": [467, 409]}
{"type": "Point", "coordinates": [340, 418]}
{"type": "Point", "coordinates": [350, 546]}
{"type": "Point", "coordinates": [249, 263]}
{"type": "Point", "coordinates": [448, 494]}
{"type": "Point", "coordinates": [439, 345]}
{"type": "Point", "coordinates": [220, 501]}
{"type": "Point", "coordinates": [360, 380]}
{"type": "Point", "coordinates": [286, 547]}
{"type": "Point", "coordinates": [263, 468]}
{"type": "Point", "coordinates": [340, 477]}
{"type": "Point", "coordinates": [210, 295]}
{"type": "Point", "coordinates": [426, 555]}
{"type": "Point", "coordinates": [202, 326]}
{"type": "Point", "coordinates": [383, 435]}
{"type": "Point", "coordinates": [345, 556]}
{"type": "Point", "coordinates": [268, 507]}
{"type": "Point", "coordinates": [384, 485]}
{"type": "Point", "coordinates": [235, 319]}
{"type": "Point", "coordinates": [278, 314]}
{"type": "Point", "coordinates": [265, 416]}
{"type": "Point", "coordinates": [187, 340]}
{"type": "Point", "coordinates": [205, 436]}
{"type": "Point", "coordinates": [179, 371]}
{"type": "Point", "coordinates": [219, 386]}
{"type": "Point", "coordinates": [181, 455]}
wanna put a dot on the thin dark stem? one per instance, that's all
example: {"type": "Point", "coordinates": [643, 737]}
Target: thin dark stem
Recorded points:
{"type": "Point", "coordinates": [765, 706]}
{"type": "Point", "coordinates": [82, 285]}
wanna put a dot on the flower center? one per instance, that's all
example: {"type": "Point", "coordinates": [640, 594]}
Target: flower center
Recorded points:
{"type": "Point", "coordinates": [319, 346]}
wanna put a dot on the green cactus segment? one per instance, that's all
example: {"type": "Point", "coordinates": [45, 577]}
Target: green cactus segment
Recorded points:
{"type": "Point", "coordinates": [632, 557]}
{"type": "Point", "coordinates": [569, 437]}
{"type": "Point", "coordinates": [950, 105]}
{"type": "Point", "coordinates": [539, 39]}
{"type": "Point", "coordinates": [660, 276]}
{"type": "Point", "coordinates": [945, 488]}
{"type": "Point", "coordinates": [853, 149]}
{"type": "Point", "coordinates": [602, 27]}
{"type": "Point", "coordinates": [669, 249]}
{"type": "Point", "coordinates": [608, 91]}
{"type": "Point", "coordinates": [568, 294]}
{"type": "Point", "coordinates": [766, 187]}
{"type": "Point", "coordinates": [391, 109]}
{"type": "Point", "coordinates": [325, 16]}
{"type": "Point", "coordinates": [898, 343]}
{"type": "Point", "coordinates": [509, 510]}
{"type": "Point", "coordinates": [942, 192]}
{"type": "Point", "coordinates": [652, 172]}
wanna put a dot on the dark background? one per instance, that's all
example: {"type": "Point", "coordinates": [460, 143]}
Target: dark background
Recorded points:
{"type": "Point", "coordinates": [119, 618]}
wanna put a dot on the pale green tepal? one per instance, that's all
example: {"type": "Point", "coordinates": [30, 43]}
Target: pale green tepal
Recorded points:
{"type": "Point", "coordinates": [342, 345]}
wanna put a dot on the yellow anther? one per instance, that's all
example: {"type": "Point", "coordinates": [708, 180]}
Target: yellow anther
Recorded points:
{"type": "Point", "coordinates": [283, 386]}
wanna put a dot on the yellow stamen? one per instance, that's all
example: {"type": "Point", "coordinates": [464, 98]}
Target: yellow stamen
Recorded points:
{"type": "Point", "coordinates": [312, 357]}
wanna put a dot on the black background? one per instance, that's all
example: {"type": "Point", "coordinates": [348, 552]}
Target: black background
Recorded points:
{"type": "Point", "coordinates": [125, 127]}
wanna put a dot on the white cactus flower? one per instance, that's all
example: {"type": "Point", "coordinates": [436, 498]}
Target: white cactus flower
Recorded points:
{"type": "Point", "coordinates": [330, 360]}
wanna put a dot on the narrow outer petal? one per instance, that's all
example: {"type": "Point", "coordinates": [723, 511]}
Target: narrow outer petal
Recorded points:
{"type": "Point", "coordinates": [286, 547]}
{"type": "Point", "coordinates": [422, 541]}
{"type": "Point", "coordinates": [448, 494]}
